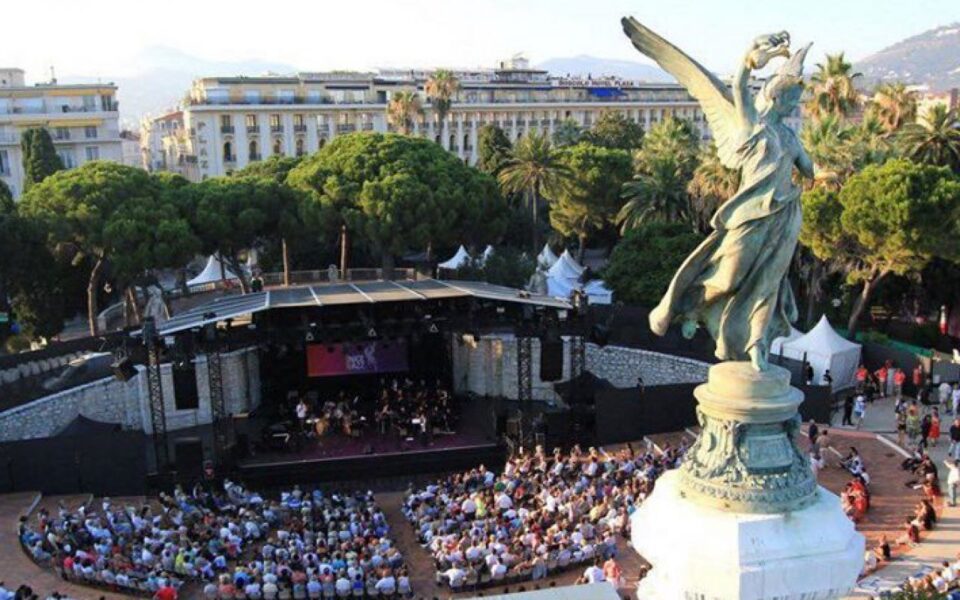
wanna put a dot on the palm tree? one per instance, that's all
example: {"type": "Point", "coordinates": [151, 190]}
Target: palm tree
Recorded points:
{"type": "Point", "coordinates": [829, 141]}
{"type": "Point", "coordinates": [657, 193]}
{"type": "Point", "coordinates": [893, 105]}
{"type": "Point", "coordinates": [404, 107]}
{"type": "Point", "coordinates": [535, 170]}
{"type": "Point", "coordinates": [440, 88]}
{"type": "Point", "coordinates": [934, 139]}
{"type": "Point", "coordinates": [711, 185]}
{"type": "Point", "coordinates": [832, 89]}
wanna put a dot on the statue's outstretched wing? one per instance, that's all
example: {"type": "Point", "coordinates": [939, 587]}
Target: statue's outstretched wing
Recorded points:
{"type": "Point", "coordinates": [714, 95]}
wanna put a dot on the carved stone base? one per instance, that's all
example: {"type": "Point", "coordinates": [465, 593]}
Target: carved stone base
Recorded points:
{"type": "Point", "coordinates": [707, 553]}
{"type": "Point", "coordinates": [746, 458]}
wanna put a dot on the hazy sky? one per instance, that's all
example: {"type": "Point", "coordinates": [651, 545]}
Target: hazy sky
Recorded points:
{"type": "Point", "coordinates": [103, 37]}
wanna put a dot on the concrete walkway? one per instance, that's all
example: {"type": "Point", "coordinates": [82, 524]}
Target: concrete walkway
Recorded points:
{"type": "Point", "coordinates": [943, 543]}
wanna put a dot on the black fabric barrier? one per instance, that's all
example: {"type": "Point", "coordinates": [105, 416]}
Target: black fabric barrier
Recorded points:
{"type": "Point", "coordinates": [628, 414]}
{"type": "Point", "coordinates": [111, 464]}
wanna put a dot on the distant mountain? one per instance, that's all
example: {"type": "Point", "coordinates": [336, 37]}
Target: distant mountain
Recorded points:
{"type": "Point", "coordinates": [931, 58]}
{"type": "Point", "coordinates": [159, 77]}
{"type": "Point", "coordinates": [584, 65]}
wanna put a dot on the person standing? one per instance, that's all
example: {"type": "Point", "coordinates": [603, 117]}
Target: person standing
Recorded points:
{"type": "Point", "coordinates": [954, 449]}
{"type": "Point", "coordinates": [827, 379]}
{"type": "Point", "coordinates": [808, 373]}
{"type": "Point", "coordinates": [848, 411]}
{"type": "Point", "coordinates": [899, 378]}
{"type": "Point", "coordinates": [955, 399]}
{"type": "Point", "coordinates": [859, 409]}
{"type": "Point", "coordinates": [881, 375]}
{"type": "Point", "coordinates": [945, 391]}
{"type": "Point", "coordinates": [913, 423]}
{"type": "Point", "coordinates": [953, 479]}
{"type": "Point", "coordinates": [925, 424]}
{"type": "Point", "coordinates": [934, 427]}
{"type": "Point", "coordinates": [813, 431]}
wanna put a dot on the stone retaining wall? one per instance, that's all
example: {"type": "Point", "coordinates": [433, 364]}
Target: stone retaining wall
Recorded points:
{"type": "Point", "coordinates": [127, 403]}
{"type": "Point", "coordinates": [489, 367]}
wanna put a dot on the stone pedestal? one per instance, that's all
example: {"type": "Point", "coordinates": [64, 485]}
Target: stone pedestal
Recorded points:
{"type": "Point", "coordinates": [743, 517]}
{"type": "Point", "coordinates": [704, 553]}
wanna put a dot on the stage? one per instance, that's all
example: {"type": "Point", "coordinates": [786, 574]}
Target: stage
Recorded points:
{"type": "Point", "coordinates": [373, 456]}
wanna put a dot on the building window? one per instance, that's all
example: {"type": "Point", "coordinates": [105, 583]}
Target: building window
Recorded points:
{"type": "Point", "coordinates": [276, 126]}
{"type": "Point", "coordinates": [228, 152]}
{"type": "Point", "coordinates": [321, 143]}
{"type": "Point", "coordinates": [92, 153]}
{"type": "Point", "coordinates": [89, 103]}
{"type": "Point", "coordinates": [61, 133]}
{"type": "Point", "coordinates": [4, 163]}
{"type": "Point", "coordinates": [298, 121]}
{"type": "Point", "coordinates": [251, 122]}
{"type": "Point", "coordinates": [253, 154]}
{"type": "Point", "coordinates": [90, 131]}
{"type": "Point", "coordinates": [66, 157]}
{"type": "Point", "coordinates": [277, 147]}
{"type": "Point", "coordinates": [299, 146]}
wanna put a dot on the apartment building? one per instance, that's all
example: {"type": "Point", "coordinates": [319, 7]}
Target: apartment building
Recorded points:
{"type": "Point", "coordinates": [82, 119]}
{"type": "Point", "coordinates": [229, 122]}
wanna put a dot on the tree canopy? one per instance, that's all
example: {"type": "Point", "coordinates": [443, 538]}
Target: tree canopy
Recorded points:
{"type": "Point", "coordinates": [398, 193]}
{"type": "Point", "coordinates": [644, 261]}
{"type": "Point", "coordinates": [592, 200]}
{"type": "Point", "coordinates": [615, 130]}
{"type": "Point", "coordinates": [493, 149]}
{"type": "Point", "coordinates": [105, 211]}
{"type": "Point", "coordinates": [887, 219]}
{"type": "Point", "coordinates": [40, 158]}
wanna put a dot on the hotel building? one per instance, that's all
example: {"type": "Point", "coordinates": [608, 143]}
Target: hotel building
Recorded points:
{"type": "Point", "coordinates": [229, 122]}
{"type": "Point", "coordinates": [82, 119]}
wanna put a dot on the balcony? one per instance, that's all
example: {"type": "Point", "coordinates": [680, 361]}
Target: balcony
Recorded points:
{"type": "Point", "coordinates": [61, 136]}
{"type": "Point", "coordinates": [254, 156]}
{"type": "Point", "coordinates": [346, 128]}
{"type": "Point", "coordinates": [226, 129]}
{"type": "Point", "coordinates": [230, 158]}
{"type": "Point", "coordinates": [300, 128]}
{"type": "Point", "coordinates": [253, 129]}
{"type": "Point", "coordinates": [368, 126]}
{"type": "Point", "coordinates": [276, 129]}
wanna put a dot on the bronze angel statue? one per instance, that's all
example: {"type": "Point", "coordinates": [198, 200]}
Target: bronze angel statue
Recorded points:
{"type": "Point", "coordinates": [735, 283]}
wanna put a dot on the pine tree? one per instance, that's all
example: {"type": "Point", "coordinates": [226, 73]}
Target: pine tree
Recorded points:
{"type": "Point", "coordinates": [40, 158]}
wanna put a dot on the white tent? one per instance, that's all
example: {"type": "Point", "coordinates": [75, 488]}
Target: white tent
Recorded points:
{"type": "Point", "coordinates": [487, 253]}
{"type": "Point", "coordinates": [598, 292]}
{"type": "Point", "coordinates": [565, 268]}
{"type": "Point", "coordinates": [460, 259]}
{"type": "Point", "coordinates": [546, 258]}
{"type": "Point", "coordinates": [212, 272]}
{"type": "Point", "coordinates": [825, 349]}
{"type": "Point", "coordinates": [776, 346]}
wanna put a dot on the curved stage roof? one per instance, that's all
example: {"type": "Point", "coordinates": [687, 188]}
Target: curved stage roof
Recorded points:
{"type": "Point", "coordinates": [342, 293]}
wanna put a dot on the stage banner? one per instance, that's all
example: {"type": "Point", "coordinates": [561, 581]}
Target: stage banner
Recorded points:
{"type": "Point", "coordinates": [363, 358]}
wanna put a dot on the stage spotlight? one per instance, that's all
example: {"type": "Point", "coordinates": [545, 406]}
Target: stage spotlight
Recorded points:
{"type": "Point", "coordinates": [371, 333]}
{"type": "Point", "coordinates": [310, 337]}
{"type": "Point", "coordinates": [433, 328]}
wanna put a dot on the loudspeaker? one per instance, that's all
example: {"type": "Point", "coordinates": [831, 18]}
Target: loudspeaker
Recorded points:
{"type": "Point", "coordinates": [188, 457]}
{"type": "Point", "coordinates": [185, 385]}
{"type": "Point", "coordinates": [123, 369]}
{"type": "Point", "coordinates": [551, 360]}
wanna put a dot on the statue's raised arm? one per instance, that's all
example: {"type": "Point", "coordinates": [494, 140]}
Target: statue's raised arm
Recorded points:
{"type": "Point", "coordinates": [735, 283]}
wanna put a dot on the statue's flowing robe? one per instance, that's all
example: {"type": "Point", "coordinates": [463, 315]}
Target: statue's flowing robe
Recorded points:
{"type": "Point", "coordinates": [735, 283]}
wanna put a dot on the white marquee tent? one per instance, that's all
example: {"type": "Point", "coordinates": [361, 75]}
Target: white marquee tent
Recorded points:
{"type": "Point", "coordinates": [546, 258]}
{"type": "Point", "coordinates": [487, 253]}
{"type": "Point", "coordinates": [776, 346]}
{"type": "Point", "coordinates": [460, 259]}
{"type": "Point", "coordinates": [825, 349]}
{"type": "Point", "coordinates": [564, 277]}
{"type": "Point", "coordinates": [212, 273]}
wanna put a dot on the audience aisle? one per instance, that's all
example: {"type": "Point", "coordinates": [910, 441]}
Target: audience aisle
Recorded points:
{"type": "Point", "coordinates": [941, 544]}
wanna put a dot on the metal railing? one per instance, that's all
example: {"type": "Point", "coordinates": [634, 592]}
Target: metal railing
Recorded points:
{"type": "Point", "coordinates": [253, 129]}
{"type": "Point", "coordinates": [226, 129]}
